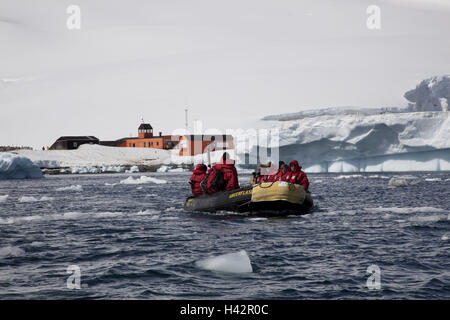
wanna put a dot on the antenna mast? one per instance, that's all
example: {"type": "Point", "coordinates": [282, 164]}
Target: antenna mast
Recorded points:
{"type": "Point", "coordinates": [186, 118]}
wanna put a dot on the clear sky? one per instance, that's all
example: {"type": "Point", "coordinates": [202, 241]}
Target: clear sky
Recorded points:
{"type": "Point", "coordinates": [232, 62]}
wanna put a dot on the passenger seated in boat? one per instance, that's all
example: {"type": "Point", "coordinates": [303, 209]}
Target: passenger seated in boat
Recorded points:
{"type": "Point", "coordinates": [199, 173]}
{"type": "Point", "coordinates": [275, 173]}
{"type": "Point", "coordinates": [222, 176]}
{"type": "Point", "coordinates": [296, 175]}
{"type": "Point", "coordinates": [282, 174]}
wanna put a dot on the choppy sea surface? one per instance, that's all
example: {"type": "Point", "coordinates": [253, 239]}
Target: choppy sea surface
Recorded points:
{"type": "Point", "coordinates": [134, 240]}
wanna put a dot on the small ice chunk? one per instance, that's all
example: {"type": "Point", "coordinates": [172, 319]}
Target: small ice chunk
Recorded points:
{"type": "Point", "coordinates": [163, 169]}
{"type": "Point", "coordinates": [142, 179]}
{"type": "Point", "coordinates": [71, 188]}
{"type": "Point", "coordinates": [397, 182]}
{"type": "Point", "coordinates": [178, 170]}
{"type": "Point", "coordinates": [11, 251]}
{"type": "Point", "coordinates": [133, 169]}
{"type": "Point", "coordinates": [3, 198]}
{"type": "Point", "coordinates": [27, 199]}
{"type": "Point", "coordinates": [235, 262]}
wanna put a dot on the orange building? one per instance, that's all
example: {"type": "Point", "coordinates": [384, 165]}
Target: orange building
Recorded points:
{"type": "Point", "coordinates": [188, 145]}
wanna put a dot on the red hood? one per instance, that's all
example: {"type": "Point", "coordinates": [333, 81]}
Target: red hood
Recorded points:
{"type": "Point", "coordinates": [199, 169]}
{"type": "Point", "coordinates": [295, 163]}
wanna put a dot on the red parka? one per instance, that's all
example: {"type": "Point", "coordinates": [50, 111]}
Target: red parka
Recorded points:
{"type": "Point", "coordinates": [229, 174]}
{"type": "Point", "coordinates": [280, 176]}
{"type": "Point", "coordinates": [198, 175]}
{"type": "Point", "coordinates": [297, 176]}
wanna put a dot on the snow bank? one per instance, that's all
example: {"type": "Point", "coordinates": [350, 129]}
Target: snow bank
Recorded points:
{"type": "Point", "coordinates": [431, 94]}
{"type": "Point", "coordinates": [96, 156]}
{"type": "Point", "coordinates": [110, 169]}
{"type": "Point", "coordinates": [236, 262]}
{"type": "Point", "coordinates": [84, 170]}
{"type": "Point", "coordinates": [15, 167]}
{"type": "Point", "coordinates": [71, 188]}
{"type": "Point", "coordinates": [142, 180]}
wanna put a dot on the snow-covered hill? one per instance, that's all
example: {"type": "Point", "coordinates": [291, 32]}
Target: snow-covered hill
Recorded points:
{"type": "Point", "coordinates": [95, 155]}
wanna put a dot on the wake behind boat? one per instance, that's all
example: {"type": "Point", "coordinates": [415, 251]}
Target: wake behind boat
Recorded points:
{"type": "Point", "coordinates": [269, 198]}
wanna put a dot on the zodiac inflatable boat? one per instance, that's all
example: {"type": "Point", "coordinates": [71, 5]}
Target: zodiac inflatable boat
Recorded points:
{"type": "Point", "coordinates": [273, 198]}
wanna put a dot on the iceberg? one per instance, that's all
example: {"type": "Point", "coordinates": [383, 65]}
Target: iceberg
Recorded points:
{"type": "Point", "coordinates": [17, 167]}
{"type": "Point", "coordinates": [236, 262]}
{"type": "Point", "coordinates": [352, 139]}
{"type": "Point", "coordinates": [431, 94]}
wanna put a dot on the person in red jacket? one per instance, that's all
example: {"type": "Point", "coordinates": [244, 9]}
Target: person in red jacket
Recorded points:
{"type": "Point", "coordinates": [199, 173]}
{"type": "Point", "coordinates": [282, 174]}
{"type": "Point", "coordinates": [296, 175]}
{"type": "Point", "coordinates": [276, 173]}
{"type": "Point", "coordinates": [230, 176]}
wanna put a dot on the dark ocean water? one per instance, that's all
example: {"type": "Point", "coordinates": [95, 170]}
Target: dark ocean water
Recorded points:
{"type": "Point", "coordinates": [135, 241]}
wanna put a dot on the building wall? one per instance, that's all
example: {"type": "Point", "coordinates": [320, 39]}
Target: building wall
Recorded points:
{"type": "Point", "coordinates": [189, 146]}
{"type": "Point", "coordinates": [155, 142]}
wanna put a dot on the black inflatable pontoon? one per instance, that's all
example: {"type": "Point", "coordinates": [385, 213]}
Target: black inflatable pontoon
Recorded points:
{"type": "Point", "coordinates": [273, 198]}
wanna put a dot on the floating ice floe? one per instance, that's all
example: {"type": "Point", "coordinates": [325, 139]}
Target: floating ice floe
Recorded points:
{"type": "Point", "coordinates": [178, 170]}
{"type": "Point", "coordinates": [33, 199]}
{"type": "Point", "coordinates": [397, 182]}
{"type": "Point", "coordinates": [433, 179]}
{"type": "Point", "coordinates": [376, 176]}
{"type": "Point", "coordinates": [351, 176]}
{"type": "Point", "coordinates": [71, 188]}
{"type": "Point", "coordinates": [163, 169]}
{"type": "Point", "coordinates": [169, 169]}
{"type": "Point", "coordinates": [236, 262]}
{"type": "Point", "coordinates": [142, 179]}
{"type": "Point", "coordinates": [3, 198]}
{"type": "Point", "coordinates": [410, 210]}
{"type": "Point", "coordinates": [110, 184]}
{"type": "Point", "coordinates": [444, 237]}
{"type": "Point", "coordinates": [153, 214]}
{"type": "Point", "coordinates": [11, 251]}
{"type": "Point", "coordinates": [15, 167]}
